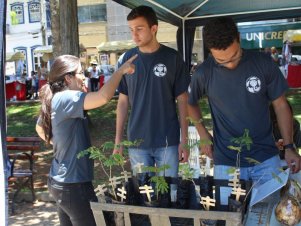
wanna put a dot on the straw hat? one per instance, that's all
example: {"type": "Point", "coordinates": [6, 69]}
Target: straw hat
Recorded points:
{"type": "Point", "coordinates": [93, 62]}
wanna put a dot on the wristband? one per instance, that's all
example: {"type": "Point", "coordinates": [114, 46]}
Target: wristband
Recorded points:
{"type": "Point", "coordinates": [289, 146]}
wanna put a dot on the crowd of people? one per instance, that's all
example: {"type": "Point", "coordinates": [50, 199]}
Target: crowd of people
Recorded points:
{"type": "Point", "coordinates": [240, 86]}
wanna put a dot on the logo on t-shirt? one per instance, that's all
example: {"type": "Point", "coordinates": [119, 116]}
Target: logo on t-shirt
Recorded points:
{"type": "Point", "coordinates": [253, 84]}
{"type": "Point", "coordinates": [160, 70]}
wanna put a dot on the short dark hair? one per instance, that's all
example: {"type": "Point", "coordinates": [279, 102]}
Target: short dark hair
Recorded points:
{"type": "Point", "coordinates": [220, 33]}
{"type": "Point", "coordinates": [144, 11]}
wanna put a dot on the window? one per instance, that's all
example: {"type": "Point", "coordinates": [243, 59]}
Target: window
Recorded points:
{"type": "Point", "coordinates": [17, 13]}
{"type": "Point", "coordinates": [92, 13]}
{"type": "Point", "coordinates": [34, 11]}
{"type": "Point", "coordinates": [36, 58]}
{"type": "Point", "coordinates": [49, 40]}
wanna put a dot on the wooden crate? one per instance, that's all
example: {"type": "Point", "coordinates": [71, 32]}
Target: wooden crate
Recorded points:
{"type": "Point", "coordinates": [160, 216]}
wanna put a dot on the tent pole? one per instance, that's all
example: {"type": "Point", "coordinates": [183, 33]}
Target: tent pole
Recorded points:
{"type": "Point", "coordinates": [183, 35]}
{"type": "Point", "coordinates": [3, 152]}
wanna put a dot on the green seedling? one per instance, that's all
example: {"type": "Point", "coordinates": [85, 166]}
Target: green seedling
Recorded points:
{"type": "Point", "coordinates": [108, 162]}
{"type": "Point", "coordinates": [159, 181]}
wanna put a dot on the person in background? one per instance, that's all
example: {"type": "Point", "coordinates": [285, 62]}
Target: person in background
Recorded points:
{"type": "Point", "coordinates": [28, 85]}
{"type": "Point", "coordinates": [88, 80]}
{"type": "Point", "coordinates": [158, 85]}
{"type": "Point", "coordinates": [37, 80]}
{"type": "Point", "coordinates": [274, 55]}
{"type": "Point", "coordinates": [240, 85]}
{"type": "Point", "coordinates": [94, 77]}
{"type": "Point", "coordinates": [63, 123]}
{"type": "Point", "coordinates": [34, 89]}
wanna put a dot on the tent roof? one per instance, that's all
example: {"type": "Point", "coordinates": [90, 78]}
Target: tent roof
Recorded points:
{"type": "Point", "coordinates": [293, 36]}
{"type": "Point", "coordinates": [115, 46]}
{"type": "Point", "coordinates": [43, 49]}
{"type": "Point", "coordinates": [14, 56]}
{"type": "Point", "coordinates": [197, 12]}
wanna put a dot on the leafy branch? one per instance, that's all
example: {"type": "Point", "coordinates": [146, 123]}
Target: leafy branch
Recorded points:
{"type": "Point", "coordinates": [107, 163]}
{"type": "Point", "coordinates": [244, 140]}
{"type": "Point", "coordinates": [160, 182]}
{"type": "Point", "coordinates": [186, 172]}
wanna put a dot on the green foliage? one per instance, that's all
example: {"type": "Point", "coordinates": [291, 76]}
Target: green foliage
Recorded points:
{"type": "Point", "coordinates": [234, 148]}
{"type": "Point", "coordinates": [155, 169]}
{"type": "Point", "coordinates": [98, 153]}
{"type": "Point", "coordinates": [198, 143]}
{"type": "Point", "coordinates": [231, 170]}
{"type": "Point", "coordinates": [107, 162]}
{"type": "Point", "coordinates": [194, 122]}
{"type": "Point", "coordinates": [21, 119]}
{"type": "Point", "coordinates": [160, 182]}
{"type": "Point", "coordinates": [244, 140]}
{"type": "Point", "coordinates": [251, 160]}
{"type": "Point", "coordinates": [275, 176]}
{"type": "Point", "coordinates": [185, 171]}
{"type": "Point", "coordinates": [94, 152]}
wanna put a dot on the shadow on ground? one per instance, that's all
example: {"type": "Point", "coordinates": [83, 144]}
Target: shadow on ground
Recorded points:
{"type": "Point", "coordinates": [34, 214]}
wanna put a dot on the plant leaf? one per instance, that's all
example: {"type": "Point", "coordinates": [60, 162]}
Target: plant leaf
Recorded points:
{"type": "Point", "coordinates": [251, 160]}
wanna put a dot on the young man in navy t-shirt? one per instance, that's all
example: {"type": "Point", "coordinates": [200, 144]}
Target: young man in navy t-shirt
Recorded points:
{"type": "Point", "coordinates": [240, 85]}
{"type": "Point", "coordinates": [158, 85]}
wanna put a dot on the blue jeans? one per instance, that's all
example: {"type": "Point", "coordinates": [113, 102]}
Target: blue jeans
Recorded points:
{"type": "Point", "coordinates": [156, 156]}
{"type": "Point", "coordinates": [260, 174]}
{"type": "Point", "coordinates": [73, 202]}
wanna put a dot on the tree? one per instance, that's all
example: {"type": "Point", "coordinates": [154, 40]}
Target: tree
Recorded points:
{"type": "Point", "coordinates": [64, 27]}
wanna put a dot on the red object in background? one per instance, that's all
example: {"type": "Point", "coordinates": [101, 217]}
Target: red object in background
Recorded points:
{"type": "Point", "coordinates": [101, 80]}
{"type": "Point", "coordinates": [294, 76]}
{"type": "Point", "coordinates": [10, 90]}
{"type": "Point", "coordinates": [41, 83]}
{"type": "Point", "coordinates": [20, 90]}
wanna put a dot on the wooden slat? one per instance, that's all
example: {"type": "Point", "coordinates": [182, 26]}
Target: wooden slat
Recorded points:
{"type": "Point", "coordinates": [196, 222]}
{"type": "Point", "coordinates": [99, 217]}
{"type": "Point", "coordinates": [162, 220]}
{"type": "Point", "coordinates": [21, 156]}
{"type": "Point", "coordinates": [23, 139]}
{"type": "Point", "coordinates": [127, 221]}
{"type": "Point", "coordinates": [231, 218]}
{"type": "Point", "coordinates": [22, 147]}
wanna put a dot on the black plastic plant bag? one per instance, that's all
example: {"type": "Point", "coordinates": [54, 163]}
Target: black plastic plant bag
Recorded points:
{"type": "Point", "coordinates": [164, 199]}
{"type": "Point", "coordinates": [206, 186]}
{"type": "Point", "coordinates": [186, 195]}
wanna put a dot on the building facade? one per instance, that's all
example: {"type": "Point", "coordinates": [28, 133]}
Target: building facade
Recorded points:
{"type": "Point", "coordinates": [27, 28]}
{"type": "Point", "coordinates": [99, 21]}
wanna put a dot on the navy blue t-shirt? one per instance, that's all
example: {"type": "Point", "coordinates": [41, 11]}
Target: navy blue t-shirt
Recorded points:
{"type": "Point", "coordinates": [70, 136]}
{"type": "Point", "coordinates": [152, 90]}
{"type": "Point", "coordinates": [239, 99]}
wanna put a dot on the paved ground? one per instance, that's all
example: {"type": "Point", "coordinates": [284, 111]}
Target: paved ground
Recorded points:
{"type": "Point", "coordinates": [39, 213]}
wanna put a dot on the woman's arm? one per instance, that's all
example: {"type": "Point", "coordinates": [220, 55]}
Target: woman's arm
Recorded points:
{"type": "Point", "coordinates": [104, 95]}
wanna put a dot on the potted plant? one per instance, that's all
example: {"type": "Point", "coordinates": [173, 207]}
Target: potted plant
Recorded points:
{"type": "Point", "coordinates": [117, 189]}
{"type": "Point", "coordinates": [161, 187]}
{"type": "Point", "coordinates": [239, 194]}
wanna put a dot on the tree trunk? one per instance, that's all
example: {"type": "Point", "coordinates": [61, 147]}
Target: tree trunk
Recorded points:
{"type": "Point", "coordinates": [64, 27]}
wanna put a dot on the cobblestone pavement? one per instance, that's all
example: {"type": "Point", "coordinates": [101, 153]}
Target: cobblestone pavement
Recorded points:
{"type": "Point", "coordinates": [39, 213]}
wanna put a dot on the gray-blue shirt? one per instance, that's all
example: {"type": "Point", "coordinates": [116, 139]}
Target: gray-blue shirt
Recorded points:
{"type": "Point", "coordinates": [239, 99]}
{"type": "Point", "coordinates": [152, 90]}
{"type": "Point", "coordinates": [70, 136]}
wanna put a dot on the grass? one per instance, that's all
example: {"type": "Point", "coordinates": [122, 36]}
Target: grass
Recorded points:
{"type": "Point", "coordinates": [21, 118]}
{"type": "Point", "coordinates": [295, 101]}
